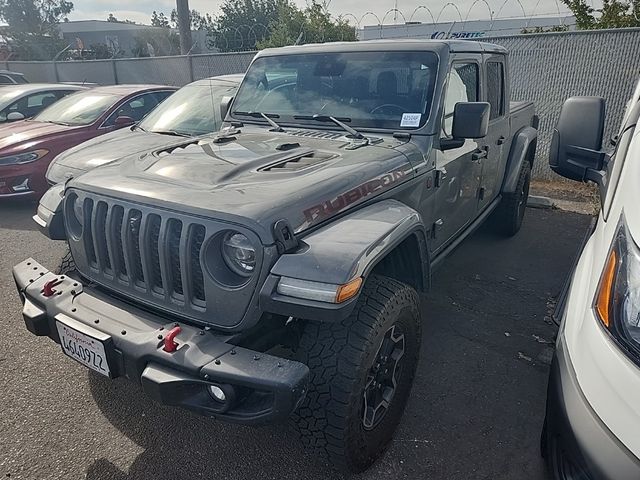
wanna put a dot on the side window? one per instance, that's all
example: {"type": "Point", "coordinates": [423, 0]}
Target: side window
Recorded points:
{"type": "Point", "coordinates": [495, 88]}
{"type": "Point", "coordinates": [5, 80]}
{"type": "Point", "coordinates": [135, 108]}
{"type": "Point", "coordinates": [43, 99]}
{"type": "Point", "coordinates": [461, 87]}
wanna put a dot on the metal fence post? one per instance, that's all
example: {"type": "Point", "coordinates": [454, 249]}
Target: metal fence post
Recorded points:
{"type": "Point", "coordinates": [191, 74]}
{"type": "Point", "coordinates": [115, 71]}
{"type": "Point", "coordinates": [55, 71]}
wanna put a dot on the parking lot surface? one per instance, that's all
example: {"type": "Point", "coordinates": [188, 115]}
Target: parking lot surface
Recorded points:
{"type": "Point", "coordinates": [475, 411]}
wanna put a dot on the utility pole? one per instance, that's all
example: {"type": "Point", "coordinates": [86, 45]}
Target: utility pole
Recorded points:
{"type": "Point", "coordinates": [184, 25]}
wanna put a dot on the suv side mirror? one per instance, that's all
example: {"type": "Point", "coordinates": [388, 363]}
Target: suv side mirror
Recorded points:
{"type": "Point", "coordinates": [225, 103]}
{"type": "Point", "coordinates": [470, 120]}
{"type": "Point", "coordinates": [124, 121]}
{"type": "Point", "coordinates": [15, 116]}
{"type": "Point", "coordinates": [576, 147]}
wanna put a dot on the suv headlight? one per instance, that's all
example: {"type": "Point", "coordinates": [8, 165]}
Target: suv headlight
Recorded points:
{"type": "Point", "coordinates": [617, 302]}
{"type": "Point", "coordinates": [239, 254]}
{"type": "Point", "coordinates": [20, 158]}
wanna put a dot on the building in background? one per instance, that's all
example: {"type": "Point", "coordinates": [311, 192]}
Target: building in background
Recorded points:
{"type": "Point", "coordinates": [471, 29]}
{"type": "Point", "coordinates": [125, 38]}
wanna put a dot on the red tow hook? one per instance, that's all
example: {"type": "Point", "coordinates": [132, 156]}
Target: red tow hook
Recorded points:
{"type": "Point", "coordinates": [48, 290]}
{"type": "Point", "coordinates": [170, 345]}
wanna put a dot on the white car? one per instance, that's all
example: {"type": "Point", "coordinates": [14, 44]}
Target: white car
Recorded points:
{"type": "Point", "coordinates": [592, 425]}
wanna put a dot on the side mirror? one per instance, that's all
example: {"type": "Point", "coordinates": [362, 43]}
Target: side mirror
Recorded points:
{"type": "Point", "coordinates": [15, 116]}
{"type": "Point", "coordinates": [576, 147]}
{"type": "Point", "coordinates": [225, 103]}
{"type": "Point", "coordinates": [470, 120]}
{"type": "Point", "coordinates": [124, 121]}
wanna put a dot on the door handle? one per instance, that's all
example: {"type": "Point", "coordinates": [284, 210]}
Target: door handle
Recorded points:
{"type": "Point", "coordinates": [501, 140]}
{"type": "Point", "coordinates": [480, 153]}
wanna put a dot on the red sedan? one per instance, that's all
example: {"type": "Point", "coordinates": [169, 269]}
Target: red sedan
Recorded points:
{"type": "Point", "coordinates": [27, 148]}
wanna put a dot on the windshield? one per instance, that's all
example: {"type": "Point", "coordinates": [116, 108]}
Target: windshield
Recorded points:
{"type": "Point", "coordinates": [192, 110]}
{"type": "Point", "coordinates": [78, 109]}
{"type": "Point", "coordinates": [391, 90]}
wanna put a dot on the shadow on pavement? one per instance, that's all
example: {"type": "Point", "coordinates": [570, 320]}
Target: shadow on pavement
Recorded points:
{"type": "Point", "coordinates": [15, 214]}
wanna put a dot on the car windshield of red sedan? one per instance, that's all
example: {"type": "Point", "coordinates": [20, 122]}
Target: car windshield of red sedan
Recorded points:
{"type": "Point", "coordinates": [78, 109]}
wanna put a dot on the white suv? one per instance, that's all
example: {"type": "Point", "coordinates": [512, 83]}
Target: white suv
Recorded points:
{"type": "Point", "coordinates": [592, 425]}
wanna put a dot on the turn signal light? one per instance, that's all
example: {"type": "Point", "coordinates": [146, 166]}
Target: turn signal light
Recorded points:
{"type": "Point", "coordinates": [605, 290]}
{"type": "Point", "coordinates": [348, 290]}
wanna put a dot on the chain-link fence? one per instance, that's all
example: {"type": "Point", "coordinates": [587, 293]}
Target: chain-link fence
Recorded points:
{"type": "Point", "coordinates": [545, 68]}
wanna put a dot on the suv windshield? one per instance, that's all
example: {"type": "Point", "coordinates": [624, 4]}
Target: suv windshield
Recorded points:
{"type": "Point", "coordinates": [192, 110]}
{"type": "Point", "coordinates": [364, 89]}
{"type": "Point", "coordinates": [78, 109]}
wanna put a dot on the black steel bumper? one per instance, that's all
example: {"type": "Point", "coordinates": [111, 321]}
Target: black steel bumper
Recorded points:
{"type": "Point", "coordinates": [260, 388]}
{"type": "Point", "coordinates": [577, 443]}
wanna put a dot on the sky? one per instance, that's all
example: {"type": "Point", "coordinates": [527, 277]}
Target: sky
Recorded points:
{"type": "Point", "coordinates": [140, 10]}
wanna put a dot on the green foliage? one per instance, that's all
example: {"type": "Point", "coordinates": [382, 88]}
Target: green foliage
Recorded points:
{"type": "Point", "coordinates": [113, 19]}
{"type": "Point", "coordinates": [555, 28]}
{"type": "Point", "coordinates": [614, 14]}
{"type": "Point", "coordinates": [33, 27]}
{"type": "Point", "coordinates": [159, 20]}
{"type": "Point", "coordinates": [255, 24]}
{"type": "Point", "coordinates": [198, 20]}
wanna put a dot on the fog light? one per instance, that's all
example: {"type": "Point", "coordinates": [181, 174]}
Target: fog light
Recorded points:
{"type": "Point", "coordinates": [217, 393]}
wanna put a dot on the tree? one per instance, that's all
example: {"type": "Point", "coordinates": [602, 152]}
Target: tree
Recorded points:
{"type": "Point", "coordinates": [33, 26]}
{"type": "Point", "coordinates": [197, 19]}
{"type": "Point", "coordinates": [614, 14]}
{"type": "Point", "coordinates": [159, 20]}
{"type": "Point", "coordinates": [112, 18]}
{"type": "Point", "coordinates": [154, 42]}
{"type": "Point", "coordinates": [251, 24]}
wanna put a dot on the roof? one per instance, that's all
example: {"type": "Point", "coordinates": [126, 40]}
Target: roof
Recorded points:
{"type": "Point", "coordinates": [389, 45]}
{"type": "Point", "coordinates": [11, 73]}
{"type": "Point", "coordinates": [36, 87]}
{"type": "Point", "coordinates": [128, 89]}
{"type": "Point", "coordinates": [235, 79]}
{"type": "Point", "coordinates": [81, 26]}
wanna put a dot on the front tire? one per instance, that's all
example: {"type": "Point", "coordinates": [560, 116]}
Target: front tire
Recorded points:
{"type": "Point", "coordinates": [507, 219]}
{"type": "Point", "coordinates": [362, 370]}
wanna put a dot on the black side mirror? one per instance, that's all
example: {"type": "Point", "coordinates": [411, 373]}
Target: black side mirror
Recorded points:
{"type": "Point", "coordinates": [470, 120]}
{"type": "Point", "coordinates": [225, 103]}
{"type": "Point", "coordinates": [576, 147]}
{"type": "Point", "coordinates": [124, 121]}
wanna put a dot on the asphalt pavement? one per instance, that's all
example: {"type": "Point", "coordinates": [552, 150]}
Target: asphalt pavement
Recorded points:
{"type": "Point", "coordinates": [475, 411]}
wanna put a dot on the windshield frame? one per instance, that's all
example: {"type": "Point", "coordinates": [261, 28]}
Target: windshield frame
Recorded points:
{"type": "Point", "coordinates": [426, 124]}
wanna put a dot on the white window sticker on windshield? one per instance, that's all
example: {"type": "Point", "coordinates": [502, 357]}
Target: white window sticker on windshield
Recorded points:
{"type": "Point", "coordinates": [410, 120]}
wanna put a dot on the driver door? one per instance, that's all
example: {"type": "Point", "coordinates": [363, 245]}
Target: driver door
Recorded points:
{"type": "Point", "coordinates": [457, 171]}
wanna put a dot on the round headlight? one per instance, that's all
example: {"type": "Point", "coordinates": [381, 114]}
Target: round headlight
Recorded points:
{"type": "Point", "coordinates": [239, 254]}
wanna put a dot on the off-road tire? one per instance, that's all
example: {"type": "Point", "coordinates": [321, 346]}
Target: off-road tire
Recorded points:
{"type": "Point", "coordinates": [507, 219]}
{"type": "Point", "coordinates": [66, 263]}
{"type": "Point", "coordinates": [340, 356]}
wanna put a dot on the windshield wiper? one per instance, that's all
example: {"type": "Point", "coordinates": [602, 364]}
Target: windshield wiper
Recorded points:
{"type": "Point", "coordinates": [175, 133]}
{"type": "Point", "coordinates": [266, 116]}
{"type": "Point", "coordinates": [66, 124]}
{"type": "Point", "coordinates": [328, 118]}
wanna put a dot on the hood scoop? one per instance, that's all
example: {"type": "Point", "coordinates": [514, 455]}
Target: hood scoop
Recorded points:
{"type": "Point", "coordinates": [297, 163]}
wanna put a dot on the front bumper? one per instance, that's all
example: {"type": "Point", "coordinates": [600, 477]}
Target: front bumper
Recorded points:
{"type": "Point", "coordinates": [25, 179]}
{"type": "Point", "coordinates": [262, 388]}
{"type": "Point", "coordinates": [577, 443]}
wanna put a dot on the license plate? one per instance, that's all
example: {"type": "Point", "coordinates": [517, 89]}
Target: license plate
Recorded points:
{"type": "Point", "coordinates": [87, 350]}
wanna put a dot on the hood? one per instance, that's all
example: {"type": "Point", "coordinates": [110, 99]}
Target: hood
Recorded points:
{"type": "Point", "coordinates": [27, 131]}
{"type": "Point", "coordinates": [112, 146]}
{"type": "Point", "coordinates": [257, 178]}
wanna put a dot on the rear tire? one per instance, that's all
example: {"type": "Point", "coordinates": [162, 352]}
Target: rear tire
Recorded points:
{"type": "Point", "coordinates": [507, 219]}
{"type": "Point", "coordinates": [362, 370]}
{"type": "Point", "coordinates": [67, 263]}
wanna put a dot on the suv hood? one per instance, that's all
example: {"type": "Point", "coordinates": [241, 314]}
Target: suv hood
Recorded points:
{"type": "Point", "coordinates": [257, 178]}
{"type": "Point", "coordinates": [112, 146]}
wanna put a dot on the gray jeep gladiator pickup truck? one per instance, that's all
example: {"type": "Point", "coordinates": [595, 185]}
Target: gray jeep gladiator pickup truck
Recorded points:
{"type": "Point", "coordinates": [274, 270]}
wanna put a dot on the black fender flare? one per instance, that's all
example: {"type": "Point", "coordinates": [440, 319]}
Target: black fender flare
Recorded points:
{"type": "Point", "coordinates": [523, 147]}
{"type": "Point", "coordinates": [347, 248]}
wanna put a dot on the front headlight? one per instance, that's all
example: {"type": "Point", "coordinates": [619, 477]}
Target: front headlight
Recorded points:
{"type": "Point", "coordinates": [617, 302]}
{"type": "Point", "coordinates": [239, 254]}
{"type": "Point", "coordinates": [21, 158]}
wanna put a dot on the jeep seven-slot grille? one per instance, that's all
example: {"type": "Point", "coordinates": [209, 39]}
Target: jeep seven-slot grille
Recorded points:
{"type": "Point", "coordinates": [146, 251]}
